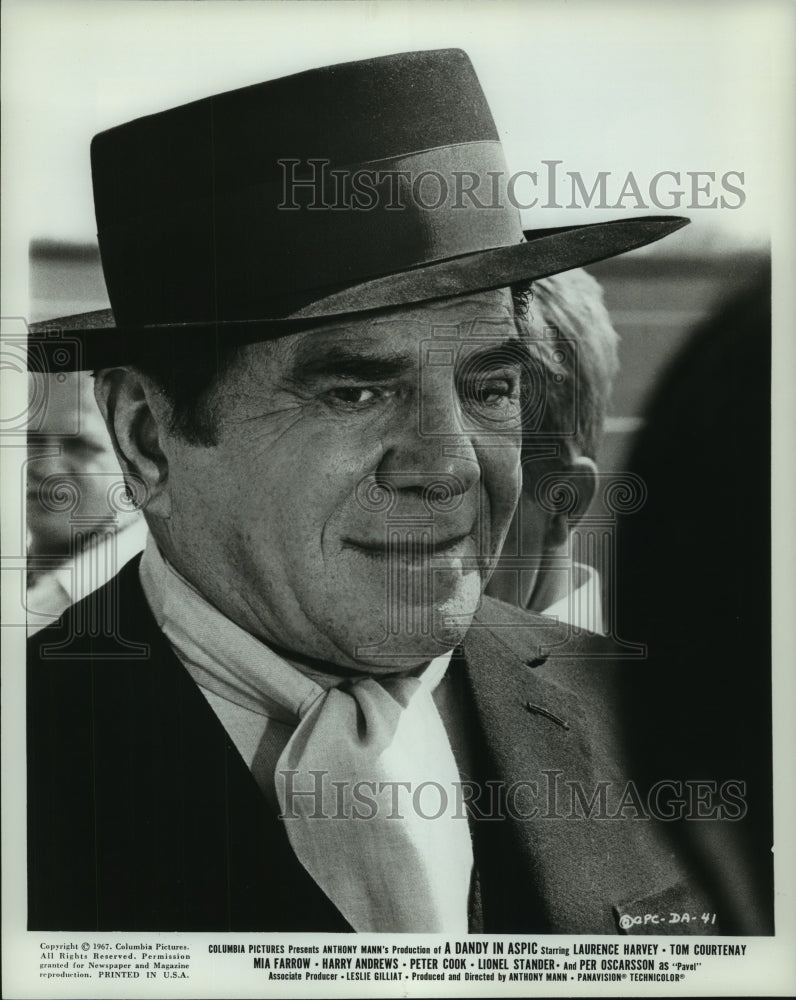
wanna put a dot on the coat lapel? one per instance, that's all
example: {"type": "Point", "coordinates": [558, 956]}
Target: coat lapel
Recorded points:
{"type": "Point", "coordinates": [535, 736]}
{"type": "Point", "coordinates": [551, 733]}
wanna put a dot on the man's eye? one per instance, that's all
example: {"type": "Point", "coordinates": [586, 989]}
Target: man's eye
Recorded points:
{"type": "Point", "coordinates": [83, 447]}
{"type": "Point", "coordinates": [355, 396]}
{"type": "Point", "coordinates": [494, 396]}
{"type": "Point", "coordinates": [493, 392]}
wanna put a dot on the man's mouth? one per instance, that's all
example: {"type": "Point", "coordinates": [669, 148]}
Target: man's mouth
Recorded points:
{"type": "Point", "coordinates": [413, 545]}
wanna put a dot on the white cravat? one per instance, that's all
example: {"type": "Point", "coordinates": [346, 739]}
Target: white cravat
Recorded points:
{"type": "Point", "coordinates": [379, 784]}
{"type": "Point", "coordinates": [397, 870]}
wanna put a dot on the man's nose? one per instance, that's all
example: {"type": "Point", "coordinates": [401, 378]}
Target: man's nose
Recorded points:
{"type": "Point", "coordinates": [430, 449]}
{"type": "Point", "coordinates": [47, 459]}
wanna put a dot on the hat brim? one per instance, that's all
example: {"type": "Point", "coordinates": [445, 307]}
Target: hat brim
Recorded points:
{"type": "Point", "coordinates": [93, 340]}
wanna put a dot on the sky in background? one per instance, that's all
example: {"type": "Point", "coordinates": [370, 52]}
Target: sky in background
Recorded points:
{"type": "Point", "coordinates": [641, 87]}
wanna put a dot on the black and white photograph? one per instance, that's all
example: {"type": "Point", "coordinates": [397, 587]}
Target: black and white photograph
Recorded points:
{"type": "Point", "coordinates": [397, 493]}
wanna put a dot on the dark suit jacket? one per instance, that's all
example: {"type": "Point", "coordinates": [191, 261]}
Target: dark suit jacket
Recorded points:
{"type": "Point", "coordinates": [143, 816]}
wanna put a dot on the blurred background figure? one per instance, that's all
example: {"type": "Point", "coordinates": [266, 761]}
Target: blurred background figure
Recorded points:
{"type": "Point", "coordinates": [574, 346]}
{"type": "Point", "coordinates": [81, 524]}
{"type": "Point", "coordinates": [694, 575]}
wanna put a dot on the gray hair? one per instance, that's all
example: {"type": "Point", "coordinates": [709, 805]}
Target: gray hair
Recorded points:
{"type": "Point", "coordinates": [574, 341]}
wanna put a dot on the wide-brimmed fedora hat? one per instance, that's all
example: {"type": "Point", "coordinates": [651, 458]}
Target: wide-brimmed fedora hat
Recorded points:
{"type": "Point", "coordinates": [341, 190]}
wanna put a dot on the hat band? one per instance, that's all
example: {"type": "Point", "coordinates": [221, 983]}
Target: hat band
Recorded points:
{"type": "Point", "coordinates": [246, 255]}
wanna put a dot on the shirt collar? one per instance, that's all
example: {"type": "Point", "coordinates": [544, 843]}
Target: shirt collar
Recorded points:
{"type": "Point", "coordinates": [581, 606]}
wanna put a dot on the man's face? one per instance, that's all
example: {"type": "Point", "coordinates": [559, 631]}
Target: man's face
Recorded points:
{"type": "Point", "coordinates": [364, 476]}
{"type": "Point", "coordinates": [72, 470]}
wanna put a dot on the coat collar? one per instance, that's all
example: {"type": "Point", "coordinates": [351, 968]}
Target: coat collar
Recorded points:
{"type": "Point", "coordinates": [530, 715]}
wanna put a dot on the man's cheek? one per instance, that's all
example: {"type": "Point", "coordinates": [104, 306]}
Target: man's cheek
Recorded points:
{"type": "Point", "coordinates": [502, 474]}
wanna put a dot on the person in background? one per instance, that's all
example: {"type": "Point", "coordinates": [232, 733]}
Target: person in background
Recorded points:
{"type": "Point", "coordinates": [574, 345]}
{"type": "Point", "coordinates": [82, 526]}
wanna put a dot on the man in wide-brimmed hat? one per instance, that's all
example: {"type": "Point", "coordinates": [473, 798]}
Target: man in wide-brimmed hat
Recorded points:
{"type": "Point", "coordinates": [295, 711]}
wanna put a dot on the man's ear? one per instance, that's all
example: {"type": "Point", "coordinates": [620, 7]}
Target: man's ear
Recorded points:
{"type": "Point", "coordinates": [127, 401]}
{"type": "Point", "coordinates": [581, 474]}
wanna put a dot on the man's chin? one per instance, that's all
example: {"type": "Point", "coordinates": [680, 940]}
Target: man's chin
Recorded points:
{"type": "Point", "coordinates": [420, 635]}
